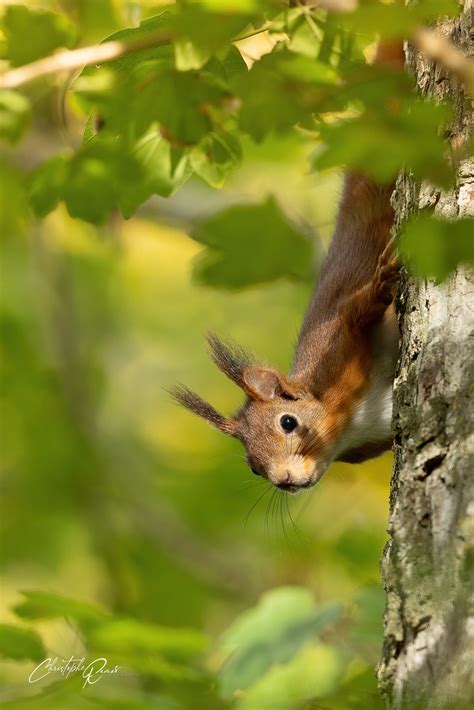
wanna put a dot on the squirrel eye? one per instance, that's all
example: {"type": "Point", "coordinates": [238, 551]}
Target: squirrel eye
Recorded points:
{"type": "Point", "coordinates": [288, 423]}
{"type": "Point", "coordinates": [254, 471]}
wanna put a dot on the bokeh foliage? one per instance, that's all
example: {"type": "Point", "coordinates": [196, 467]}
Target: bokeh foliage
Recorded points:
{"type": "Point", "coordinates": [180, 101]}
{"type": "Point", "coordinates": [126, 521]}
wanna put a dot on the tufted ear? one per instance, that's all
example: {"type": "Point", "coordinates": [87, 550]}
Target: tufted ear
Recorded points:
{"type": "Point", "coordinates": [192, 401]}
{"type": "Point", "coordinates": [231, 359]}
{"type": "Point", "coordinates": [265, 383]}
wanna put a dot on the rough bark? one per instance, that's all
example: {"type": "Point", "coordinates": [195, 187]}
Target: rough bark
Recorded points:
{"type": "Point", "coordinates": [428, 654]}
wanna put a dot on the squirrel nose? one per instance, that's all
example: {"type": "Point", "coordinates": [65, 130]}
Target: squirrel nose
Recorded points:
{"type": "Point", "coordinates": [288, 483]}
{"type": "Point", "coordinates": [285, 480]}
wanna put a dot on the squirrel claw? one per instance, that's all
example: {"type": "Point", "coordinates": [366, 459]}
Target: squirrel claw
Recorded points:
{"type": "Point", "coordinates": [385, 279]}
{"type": "Point", "coordinates": [389, 251]}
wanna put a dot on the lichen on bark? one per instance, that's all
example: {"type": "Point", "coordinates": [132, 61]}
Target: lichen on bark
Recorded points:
{"type": "Point", "coordinates": [428, 654]}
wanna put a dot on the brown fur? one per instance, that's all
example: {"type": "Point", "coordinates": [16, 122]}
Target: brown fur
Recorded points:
{"type": "Point", "coordinates": [334, 353]}
{"type": "Point", "coordinates": [192, 401]}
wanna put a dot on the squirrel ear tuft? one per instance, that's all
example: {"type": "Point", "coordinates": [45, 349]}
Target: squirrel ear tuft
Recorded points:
{"type": "Point", "coordinates": [192, 401]}
{"type": "Point", "coordinates": [263, 383]}
{"type": "Point", "coordinates": [230, 358]}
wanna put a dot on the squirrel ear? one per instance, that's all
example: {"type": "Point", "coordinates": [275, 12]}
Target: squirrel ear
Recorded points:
{"type": "Point", "coordinates": [263, 383]}
{"type": "Point", "coordinates": [192, 401]}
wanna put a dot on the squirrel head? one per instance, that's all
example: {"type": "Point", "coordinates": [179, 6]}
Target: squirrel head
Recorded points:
{"type": "Point", "coordinates": [280, 423]}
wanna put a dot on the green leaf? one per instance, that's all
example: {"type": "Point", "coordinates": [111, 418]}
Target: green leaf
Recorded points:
{"type": "Point", "coordinates": [395, 20]}
{"type": "Point", "coordinates": [98, 18]}
{"type": "Point", "coordinates": [160, 25]}
{"type": "Point", "coordinates": [32, 34]}
{"type": "Point", "coordinates": [232, 64]}
{"type": "Point", "coordinates": [201, 34]}
{"type": "Point", "coordinates": [112, 90]}
{"type": "Point", "coordinates": [206, 32]}
{"type": "Point", "coordinates": [378, 87]}
{"type": "Point", "coordinates": [46, 185]}
{"type": "Point", "coordinates": [15, 115]}
{"type": "Point", "coordinates": [215, 157]}
{"type": "Point", "coordinates": [250, 244]}
{"type": "Point", "coordinates": [99, 175]}
{"type": "Point", "coordinates": [46, 605]}
{"type": "Point", "coordinates": [90, 192]}
{"type": "Point", "coordinates": [182, 103]}
{"type": "Point", "coordinates": [104, 175]}
{"type": "Point", "coordinates": [299, 68]}
{"type": "Point", "coordinates": [280, 91]}
{"type": "Point", "coordinates": [92, 86]}
{"type": "Point", "coordinates": [162, 173]}
{"type": "Point", "coordinates": [434, 248]}
{"type": "Point", "coordinates": [313, 673]}
{"type": "Point", "coordinates": [303, 40]}
{"type": "Point", "coordinates": [132, 637]}
{"type": "Point", "coordinates": [272, 632]}
{"type": "Point", "coordinates": [188, 56]}
{"type": "Point", "coordinates": [161, 651]}
{"type": "Point", "coordinates": [20, 643]}
{"type": "Point", "coordinates": [135, 96]}
{"type": "Point", "coordinates": [410, 139]}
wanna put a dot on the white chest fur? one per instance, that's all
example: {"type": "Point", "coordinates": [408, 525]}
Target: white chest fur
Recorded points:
{"type": "Point", "coordinates": [371, 420]}
{"type": "Point", "coordinates": [372, 417]}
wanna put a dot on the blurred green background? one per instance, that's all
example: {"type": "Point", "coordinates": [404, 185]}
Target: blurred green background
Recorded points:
{"type": "Point", "coordinates": [210, 589]}
{"type": "Point", "coordinates": [112, 493]}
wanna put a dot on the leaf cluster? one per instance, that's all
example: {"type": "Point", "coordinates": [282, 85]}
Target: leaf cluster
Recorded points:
{"type": "Point", "coordinates": [182, 102]}
{"type": "Point", "coordinates": [194, 91]}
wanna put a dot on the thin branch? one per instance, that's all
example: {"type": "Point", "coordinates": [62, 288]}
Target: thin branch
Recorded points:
{"type": "Point", "coordinates": [264, 28]}
{"type": "Point", "coordinates": [432, 44]}
{"type": "Point", "coordinates": [306, 12]}
{"type": "Point", "coordinates": [68, 60]}
{"type": "Point", "coordinates": [440, 49]}
{"type": "Point", "coordinates": [335, 6]}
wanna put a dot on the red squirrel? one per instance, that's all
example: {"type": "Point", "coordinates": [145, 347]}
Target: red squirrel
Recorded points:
{"type": "Point", "coordinates": [336, 402]}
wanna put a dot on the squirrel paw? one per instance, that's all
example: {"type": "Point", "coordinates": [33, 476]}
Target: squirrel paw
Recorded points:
{"type": "Point", "coordinates": [369, 303]}
{"type": "Point", "coordinates": [386, 275]}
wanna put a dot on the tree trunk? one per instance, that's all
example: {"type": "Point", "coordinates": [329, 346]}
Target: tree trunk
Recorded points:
{"type": "Point", "coordinates": [428, 654]}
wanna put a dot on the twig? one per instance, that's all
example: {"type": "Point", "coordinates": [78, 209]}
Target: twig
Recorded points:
{"type": "Point", "coordinates": [432, 44]}
{"type": "Point", "coordinates": [67, 60]}
{"type": "Point", "coordinates": [317, 32]}
{"type": "Point", "coordinates": [336, 6]}
{"type": "Point", "coordinates": [440, 49]}
{"type": "Point", "coordinates": [264, 28]}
